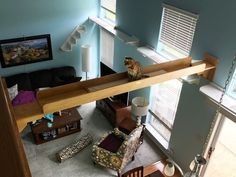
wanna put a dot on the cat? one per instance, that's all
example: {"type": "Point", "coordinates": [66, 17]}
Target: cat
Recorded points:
{"type": "Point", "coordinates": [134, 69]}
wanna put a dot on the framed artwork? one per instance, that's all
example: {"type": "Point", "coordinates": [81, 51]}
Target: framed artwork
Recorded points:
{"type": "Point", "coordinates": [25, 50]}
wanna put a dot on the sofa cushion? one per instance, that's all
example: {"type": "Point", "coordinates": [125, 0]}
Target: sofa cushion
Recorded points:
{"type": "Point", "coordinates": [111, 143]}
{"type": "Point", "coordinates": [63, 75]}
{"type": "Point", "coordinates": [41, 78]}
{"type": "Point", "coordinates": [70, 79]}
{"type": "Point", "coordinates": [57, 81]}
{"type": "Point", "coordinates": [22, 80]}
{"type": "Point", "coordinates": [63, 71]}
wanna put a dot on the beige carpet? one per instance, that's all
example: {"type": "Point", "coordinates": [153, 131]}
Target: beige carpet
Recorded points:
{"type": "Point", "coordinates": [43, 163]}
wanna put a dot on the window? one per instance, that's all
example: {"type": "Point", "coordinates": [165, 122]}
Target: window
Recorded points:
{"type": "Point", "coordinates": [108, 14]}
{"type": "Point", "coordinates": [107, 47]}
{"type": "Point", "coordinates": [176, 32]}
{"type": "Point", "coordinates": [108, 10]}
{"type": "Point", "coordinates": [164, 102]}
{"type": "Point", "coordinates": [175, 41]}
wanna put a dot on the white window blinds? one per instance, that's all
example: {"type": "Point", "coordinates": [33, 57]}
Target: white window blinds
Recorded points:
{"type": "Point", "coordinates": [107, 48]}
{"type": "Point", "coordinates": [178, 27]}
{"type": "Point", "coordinates": [109, 5]}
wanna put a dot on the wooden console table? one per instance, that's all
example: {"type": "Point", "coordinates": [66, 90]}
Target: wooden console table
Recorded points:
{"type": "Point", "coordinates": [67, 123]}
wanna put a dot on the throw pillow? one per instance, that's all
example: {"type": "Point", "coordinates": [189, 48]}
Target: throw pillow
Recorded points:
{"type": "Point", "coordinates": [111, 143]}
{"type": "Point", "coordinates": [24, 97]}
{"type": "Point", "coordinates": [70, 79]}
{"type": "Point", "coordinates": [64, 80]}
{"type": "Point", "coordinates": [57, 82]}
{"type": "Point", "coordinates": [13, 91]}
{"type": "Point", "coordinates": [22, 80]}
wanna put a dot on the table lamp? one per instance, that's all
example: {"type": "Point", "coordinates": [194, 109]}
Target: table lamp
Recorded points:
{"type": "Point", "coordinates": [196, 164]}
{"type": "Point", "coordinates": [169, 169]}
{"type": "Point", "coordinates": [86, 57]}
{"type": "Point", "coordinates": [139, 108]}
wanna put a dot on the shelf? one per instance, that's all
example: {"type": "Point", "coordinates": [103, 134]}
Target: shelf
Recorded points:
{"type": "Point", "coordinates": [151, 54]}
{"type": "Point", "coordinates": [72, 39]}
{"type": "Point", "coordinates": [59, 98]}
{"type": "Point", "coordinates": [128, 39]}
{"type": "Point", "coordinates": [103, 24]}
{"type": "Point", "coordinates": [74, 94]}
{"type": "Point", "coordinates": [228, 106]}
{"type": "Point", "coordinates": [27, 113]}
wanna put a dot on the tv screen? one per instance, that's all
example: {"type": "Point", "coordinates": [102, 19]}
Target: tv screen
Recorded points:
{"type": "Point", "coordinates": [124, 97]}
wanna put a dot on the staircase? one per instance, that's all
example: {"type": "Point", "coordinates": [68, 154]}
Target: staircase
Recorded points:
{"type": "Point", "coordinates": [72, 39]}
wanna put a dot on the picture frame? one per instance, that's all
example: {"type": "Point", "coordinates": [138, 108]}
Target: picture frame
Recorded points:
{"type": "Point", "coordinates": [25, 50]}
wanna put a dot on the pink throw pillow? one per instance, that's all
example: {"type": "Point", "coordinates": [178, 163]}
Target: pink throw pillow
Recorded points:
{"type": "Point", "coordinates": [24, 97]}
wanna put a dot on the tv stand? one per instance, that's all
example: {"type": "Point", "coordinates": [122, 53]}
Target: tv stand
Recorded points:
{"type": "Point", "coordinates": [113, 110]}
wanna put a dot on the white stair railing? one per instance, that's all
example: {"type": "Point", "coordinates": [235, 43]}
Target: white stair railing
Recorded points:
{"type": "Point", "coordinates": [72, 39]}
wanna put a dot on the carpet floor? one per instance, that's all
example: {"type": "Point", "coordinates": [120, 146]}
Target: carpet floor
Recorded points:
{"type": "Point", "coordinates": [42, 159]}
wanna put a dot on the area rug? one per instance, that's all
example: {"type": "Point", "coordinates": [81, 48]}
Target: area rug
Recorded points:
{"type": "Point", "coordinates": [43, 163]}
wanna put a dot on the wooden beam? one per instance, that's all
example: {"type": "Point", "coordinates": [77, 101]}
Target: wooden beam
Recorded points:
{"type": "Point", "coordinates": [14, 162]}
{"type": "Point", "coordinates": [74, 94]}
{"type": "Point", "coordinates": [26, 112]}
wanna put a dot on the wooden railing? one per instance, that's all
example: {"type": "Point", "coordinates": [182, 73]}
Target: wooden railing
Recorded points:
{"type": "Point", "coordinates": [74, 94]}
{"type": "Point", "coordinates": [11, 149]}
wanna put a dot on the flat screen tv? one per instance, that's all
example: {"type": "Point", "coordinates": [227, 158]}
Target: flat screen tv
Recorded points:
{"type": "Point", "coordinates": [24, 50]}
{"type": "Point", "coordinates": [124, 97]}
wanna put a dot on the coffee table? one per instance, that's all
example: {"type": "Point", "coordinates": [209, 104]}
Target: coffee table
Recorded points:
{"type": "Point", "coordinates": [66, 123]}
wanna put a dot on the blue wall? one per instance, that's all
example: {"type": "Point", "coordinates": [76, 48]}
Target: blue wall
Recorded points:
{"type": "Point", "coordinates": [215, 33]}
{"type": "Point", "coordinates": [56, 17]}
{"type": "Point", "coordinates": [191, 124]}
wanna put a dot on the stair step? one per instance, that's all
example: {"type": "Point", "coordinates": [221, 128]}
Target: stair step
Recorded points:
{"type": "Point", "coordinates": [72, 39]}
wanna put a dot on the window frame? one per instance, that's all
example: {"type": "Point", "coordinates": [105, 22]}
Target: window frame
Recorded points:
{"type": "Point", "coordinates": [108, 13]}
{"type": "Point", "coordinates": [167, 50]}
{"type": "Point", "coordinates": [166, 123]}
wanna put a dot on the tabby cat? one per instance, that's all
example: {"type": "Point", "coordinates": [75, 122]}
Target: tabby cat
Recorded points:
{"type": "Point", "coordinates": [134, 69]}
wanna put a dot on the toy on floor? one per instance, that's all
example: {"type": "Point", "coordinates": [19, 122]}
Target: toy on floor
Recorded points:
{"type": "Point", "coordinates": [71, 150]}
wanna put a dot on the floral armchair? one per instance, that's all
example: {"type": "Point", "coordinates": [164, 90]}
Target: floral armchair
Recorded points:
{"type": "Point", "coordinates": [116, 149]}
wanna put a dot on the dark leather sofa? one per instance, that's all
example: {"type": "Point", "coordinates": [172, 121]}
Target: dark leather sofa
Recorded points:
{"type": "Point", "coordinates": [43, 78]}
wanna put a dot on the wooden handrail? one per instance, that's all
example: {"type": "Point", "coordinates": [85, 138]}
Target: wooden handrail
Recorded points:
{"type": "Point", "coordinates": [11, 151]}
{"type": "Point", "coordinates": [74, 94]}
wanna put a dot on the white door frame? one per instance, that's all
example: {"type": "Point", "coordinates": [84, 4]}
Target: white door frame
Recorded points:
{"type": "Point", "coordinates": [212, 141]}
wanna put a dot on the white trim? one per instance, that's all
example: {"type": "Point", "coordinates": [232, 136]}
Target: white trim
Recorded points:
{"type": "Point", "coordinates": [157, 137]}
{"type": "Point", "coordinates": [150, 53]}
{"type": "Point", "coordinates": [105, 25]}
{"type": "Point", "coordinates": [213, 93]}
{"type": "Point", "coordinates": [131, 40]}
